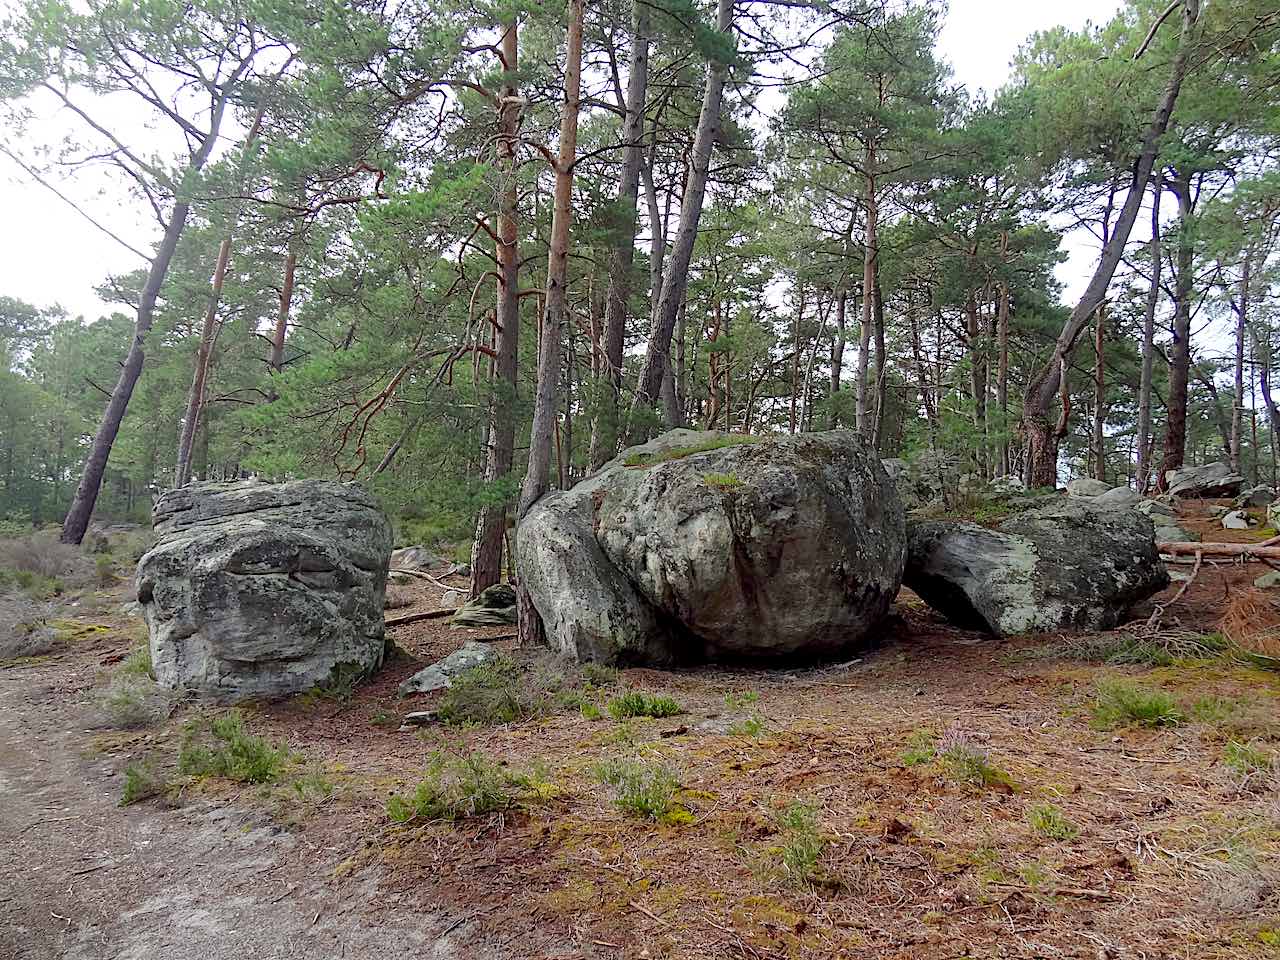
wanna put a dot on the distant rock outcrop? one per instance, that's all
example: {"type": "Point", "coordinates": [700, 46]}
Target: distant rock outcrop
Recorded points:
{"type": "Point", "coordinates": [1206, 481]}
{"type": "Point", "coordinates": [1069, 565]}
{"type": "Point", "coordinates": [706, 545]}
{"type": "Point", "coordinates": [259, 589]}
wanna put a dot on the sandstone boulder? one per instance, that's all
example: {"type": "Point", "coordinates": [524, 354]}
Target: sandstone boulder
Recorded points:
{"type": "Point", "coordinates": [1118, 497]}
{"type": "Point", "coordinates": [1237, 520]}
{"type": "Point", "coordinates": [440, 675]}
{"type": "Point", "coordinates": [257, 589]}
{"type": "Point", "coordinates": [1206, 481]}
{"type": "Point", "coordinates": [705, 546]}
{"type": "Point", "coordinates": [924, 479]}
{"type": "Point", "coordinates": [1068, 565]}
{"type": "Point", "coordinates": [1259, 496]}
{"type": "Point", "coordinates": [417, 558]}
{"type": "Point", "coordinates": [495, 605]}
{"type": "Point", "coordinates": [1087, 487]}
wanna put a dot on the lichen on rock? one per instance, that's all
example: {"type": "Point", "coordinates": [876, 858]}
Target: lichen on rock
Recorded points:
{"type": "Point", "coordinates": [256, 589]}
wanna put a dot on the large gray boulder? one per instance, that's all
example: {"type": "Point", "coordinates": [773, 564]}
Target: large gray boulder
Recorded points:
{"type": "Point", "coordinates": [1067, 565]}
{"type": "Point", "coordinates": [258, 589]}
{"type": "Point", "coordinates": [1206, 481]}
{"type": "Point", "coordinates": [1256, 496]}
{"type": "Point", "coordinates": [686, 549]}
{"type": "Point", "coordinates": [923, 480]}
{"type": "Point", "coordinates": [1118, 497]}
{"type": "Point", "coordinates": [1087, 487]}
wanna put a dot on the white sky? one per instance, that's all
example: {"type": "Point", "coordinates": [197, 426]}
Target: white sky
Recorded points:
{"type": "Point", "coordinates": [49, 254]}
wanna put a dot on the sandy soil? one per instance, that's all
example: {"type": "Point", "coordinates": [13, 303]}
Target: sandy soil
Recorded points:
{"type": "Point", "coordinates": [1169, 854]}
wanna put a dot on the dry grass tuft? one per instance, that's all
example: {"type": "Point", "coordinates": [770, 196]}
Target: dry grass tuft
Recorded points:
{"type": "Point", "coordinates": [24, 628]}
{"type": "Point", "coordinates": [1252, 622]}
{"type": "Point", "coordinates": [41, 554]}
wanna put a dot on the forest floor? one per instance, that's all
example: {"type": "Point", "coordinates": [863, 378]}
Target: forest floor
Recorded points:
{"type": "Point", "coordinates": [816, 815]}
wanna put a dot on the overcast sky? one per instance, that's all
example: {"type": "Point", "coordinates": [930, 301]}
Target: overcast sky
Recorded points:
{"type": "Point", "coordinates": [49, 254]}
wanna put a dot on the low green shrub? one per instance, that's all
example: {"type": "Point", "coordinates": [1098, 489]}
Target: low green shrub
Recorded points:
{"type": "Point", "coordinates": [1048, 820]}
{"type": "Point", "coordinates": [141, 782]}
{"type": "Point", "coordinates": [138, 663]}
{"type": "Point", "coordinates": [749, 726]}
{"type": "Point", "coordinates": [223, 747]}
{"type": "Point", "coordinates": [454, 788]}
{"type": "Point", "coordinates": [921, 748]}
{"type": "Point", "coordinates": [496, 692]}
{"type": "Point", "coordinates": [24, 628]}
{"type": "Point", "coordinates": [599, 675]}
{"type": "Point", "coordinates": [968, 762]}
{"type": "Point", "coordinates": [132, 701]}
{"type": "Point", "coordinates": [1246, 759]}
{"type": "Point", "coordinates": [644, 790]}
{"type": "Point", "coordinates": [104, 569]}
{"type": "Point", "coordinates": [721, 481]}
{"type": "Point", "coordinates": [802, 843]}
{"type": "Point", "coordinates": [636, 703]}
{"type": "Point", "coordinates": [1123, 702]}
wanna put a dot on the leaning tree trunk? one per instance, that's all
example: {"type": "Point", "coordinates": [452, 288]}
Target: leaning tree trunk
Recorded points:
{"type": "Point", "coordinates": [1148, 346]}
{"type": "Point", "coordinates": [604, 432]}
{"type": "Point", "coordinates": [491, 527]}
{"type": "Point", "coordinates": [676, 274]}
{"type": "Point", "coordinates": [1042, 447]}
{"type": "Point", "coordinates": [1175, 437]}
{"type": "Point", "coordinates": [537, 478]}
{"type": "Point", "coordinates": [95, 465]}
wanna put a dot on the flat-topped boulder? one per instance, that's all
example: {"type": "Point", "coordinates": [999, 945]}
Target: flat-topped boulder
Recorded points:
{"type": "Point", "coordinates": [263, 589]}
{"type": "Point", "coordinates": [1206, 481]}
{"type": "Point", "coordinates": [1070, 565]}
{"type": "Point", "coordinates": [703, 546]}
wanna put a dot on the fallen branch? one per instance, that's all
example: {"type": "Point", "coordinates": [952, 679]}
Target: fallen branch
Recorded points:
{"type": "Point", "coordinates": [1264, 550]}
{"type": "Point", "coordinates": [422, 576]}
{"type": "Point", "coordinates": [1153, 622]}
{"type": "Point", "coordinates": [415, 617]}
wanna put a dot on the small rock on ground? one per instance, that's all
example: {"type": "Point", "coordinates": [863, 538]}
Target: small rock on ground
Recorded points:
{"type": "Point", "coordinates": [440, 675]}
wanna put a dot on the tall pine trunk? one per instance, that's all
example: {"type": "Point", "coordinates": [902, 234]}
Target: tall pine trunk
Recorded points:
{"type": "Point", "coordinates": [1099, 393]}
{"type": "Point", "coordinates": [1148, 345]}
{"type": "Point", "coordinates": [282, 314]}
{"type": "Point", "coordinates": [870, 269]}
{"type": "Point", "coordinates": [209, 332]}
{"type": "Point", "coordinates": [537, 478]}
{"type": "Point", "coordinates": [604, 433]}
{"type": "Point", "coordinates": [1002, 374]}
{"type": "Point", "coordinates": [491, 527]}
{"type": "Point", "coordinates": [204, 355]}
{"type": "Point", "coordinates": [676, 274]}
{"type": "Point", "coordinates": [1175, 437]}
{"type": "Point", "coordinates": [1237, 410]}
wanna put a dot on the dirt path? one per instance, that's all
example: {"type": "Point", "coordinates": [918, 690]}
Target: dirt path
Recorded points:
{"type": "Point", "coordinates": [82, 879]}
